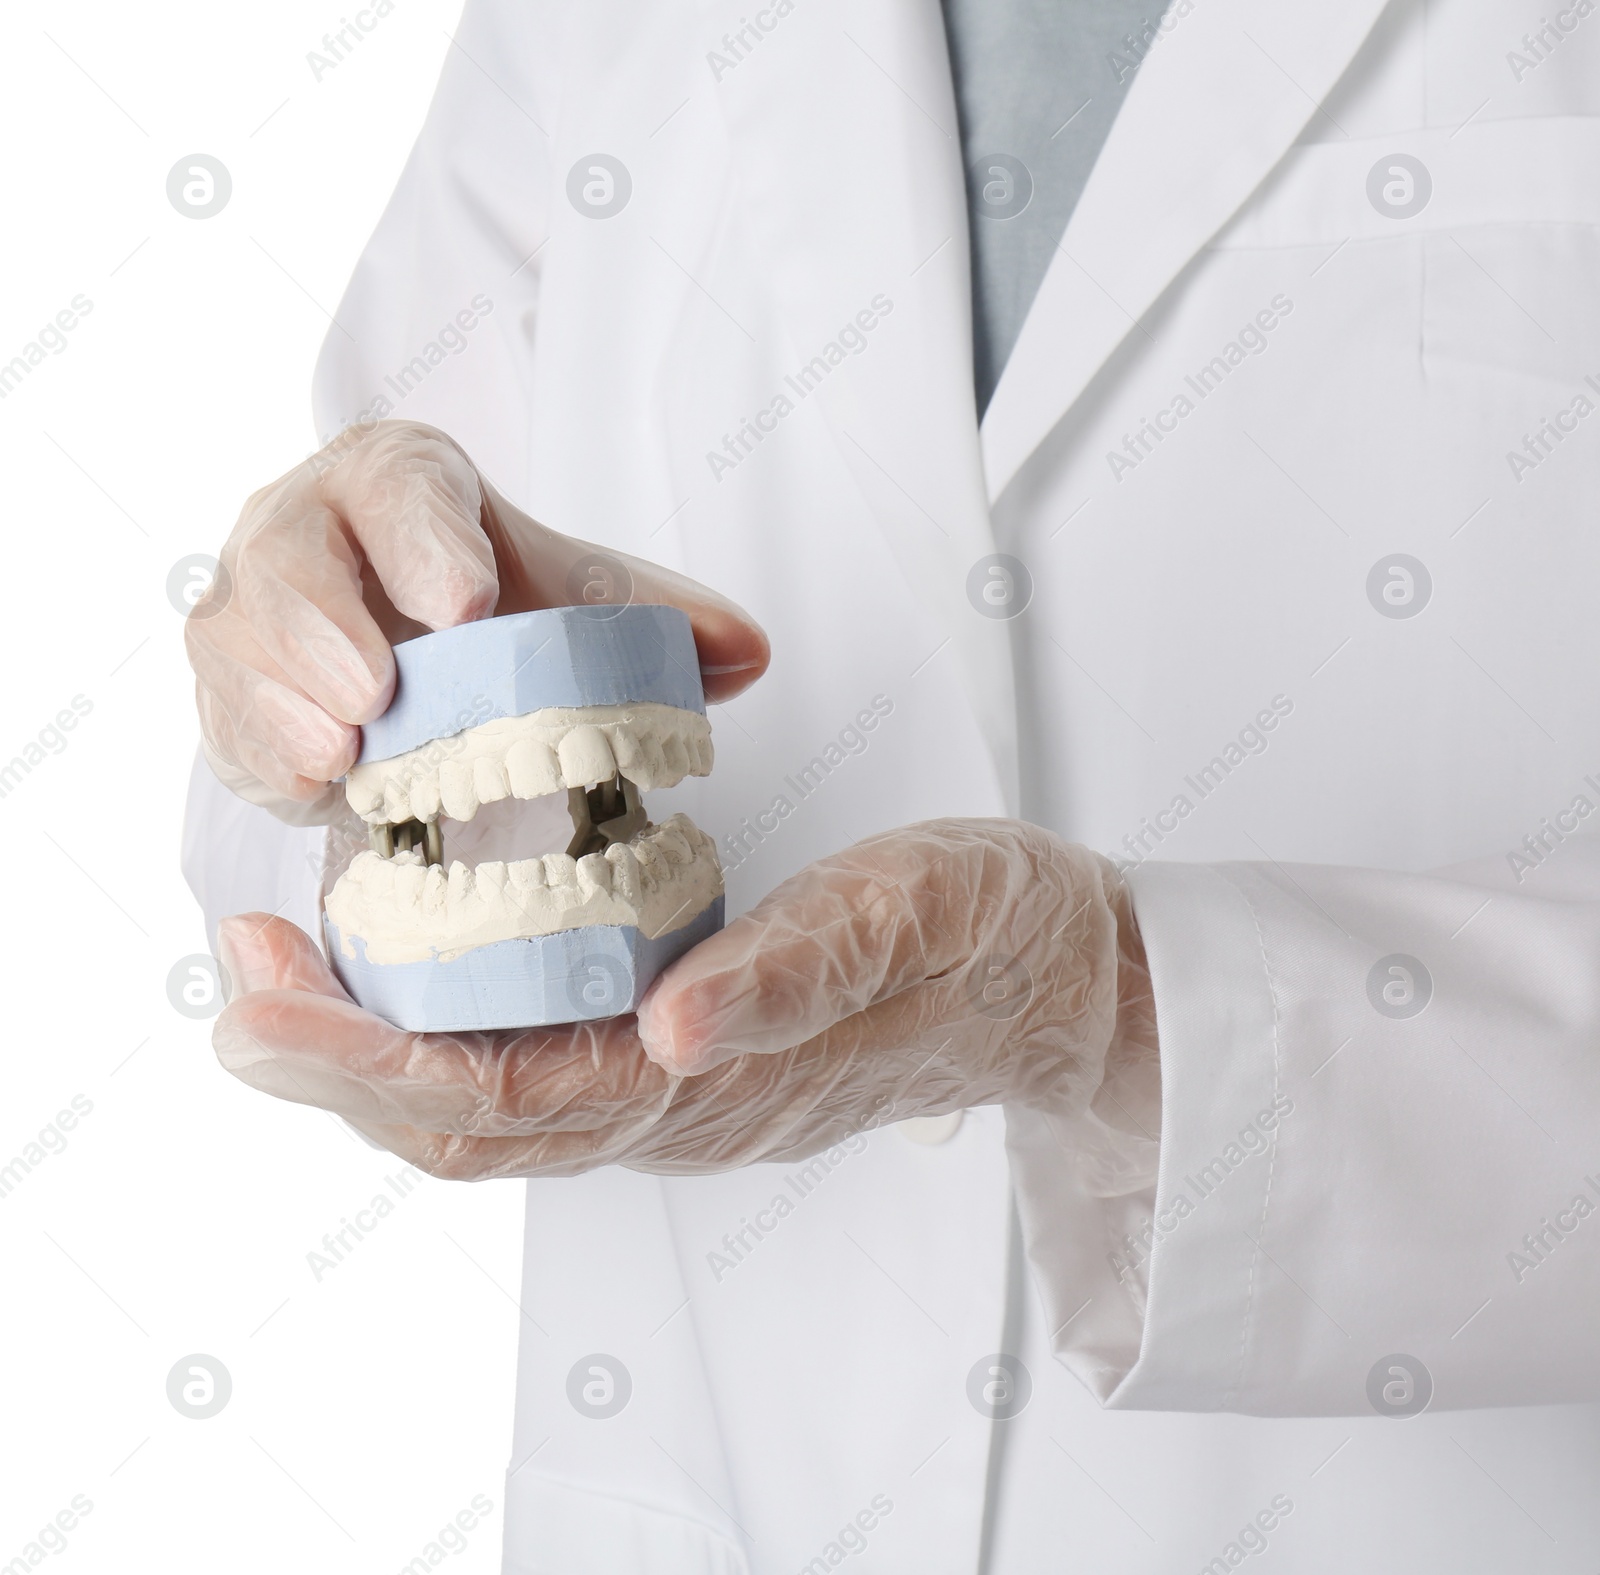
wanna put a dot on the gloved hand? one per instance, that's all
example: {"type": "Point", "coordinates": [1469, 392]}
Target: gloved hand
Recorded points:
{"type": "Point", "coordinates": [943, 965]}
{"type": "Point", "coordinates": [387, 533]}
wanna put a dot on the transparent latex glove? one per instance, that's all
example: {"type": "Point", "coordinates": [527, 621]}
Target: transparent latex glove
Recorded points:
{"type": "Point", "coordinates": [943, 965]}
{"type": "Point", "coordinates": [387, 533]}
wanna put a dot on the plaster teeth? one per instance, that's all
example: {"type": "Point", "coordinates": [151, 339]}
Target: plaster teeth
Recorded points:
{"type": "Point", "coordinates": [405, 911]}
{"type": "Point", "coordinates": [425, 803]}
{"type": "Point", "coordinates": [586, 757]}
{"type": "Point", "coordinates": [365, 796]}
{"type": "Point", "coordinates": [594, 874]}
{"type": "Point", "coordinates": [490, 781]}
{"type": "Point", "coordinates": [457, 795]}
{"type": "Point", "coordinates": [625, 881]}
{"type": "Point", "coordinates": [409, 880]}
{"type": "Point", "coordinates": [674, 845]}
{"type": "Point", "coordinates": [676, 754]}
{"type": "Point", "coordinates": [434, 885]}
{"type": "Point", "coordinates": [654, 746]}
{"type": "Point", "coordinates": [533, 769]}
{"type": "Point", "coordinates": [645, 760]}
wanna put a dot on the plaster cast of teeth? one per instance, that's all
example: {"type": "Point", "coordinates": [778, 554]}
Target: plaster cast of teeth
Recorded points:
{"type": "Point", "coordinates": [600, 702]}
{"type": "Point", "coordinates": [653, 746]}
{"type": "Point", "coordinates": [406, 910]}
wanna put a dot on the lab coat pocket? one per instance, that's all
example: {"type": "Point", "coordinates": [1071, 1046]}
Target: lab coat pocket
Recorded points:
{"type": "Point", "coordinates": [1492, 228]}
{"type": "Point", "coordinates": [1410, 184]}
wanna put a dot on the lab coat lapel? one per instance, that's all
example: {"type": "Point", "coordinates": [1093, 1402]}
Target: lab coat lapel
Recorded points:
{"type": "Point", "coordinates": [845, 139]}
{"type": "Point", "coordinates": [1218, 100]}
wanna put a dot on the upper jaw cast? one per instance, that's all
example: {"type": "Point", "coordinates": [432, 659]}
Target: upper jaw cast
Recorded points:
{"type": "Point", "coordinates": [646, 745]}
{"type": "Point", "coordinates": [527, 705]}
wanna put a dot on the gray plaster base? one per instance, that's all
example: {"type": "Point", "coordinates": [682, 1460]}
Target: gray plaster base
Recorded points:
{"type": "Point", "coordinates": [572, 976]}
{"type": "Point", "coordinates": [560, 656]}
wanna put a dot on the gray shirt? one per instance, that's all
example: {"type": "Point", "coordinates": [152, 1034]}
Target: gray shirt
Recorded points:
{"type": "Point", "coordinates": [1038, 83]}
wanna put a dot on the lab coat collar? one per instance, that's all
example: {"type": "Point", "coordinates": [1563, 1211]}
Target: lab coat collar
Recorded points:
{"type": "Point", "coordinates": [845, 143]}
{"type": "Point", "coordinates": [1222, 93]}
{"type": "Point", "coordinates": [844, 134]}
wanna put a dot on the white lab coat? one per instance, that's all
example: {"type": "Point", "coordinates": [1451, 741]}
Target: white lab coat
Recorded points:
{"type": "Point", "coordinates": [1220, 566]}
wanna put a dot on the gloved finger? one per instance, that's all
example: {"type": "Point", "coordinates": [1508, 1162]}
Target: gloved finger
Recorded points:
{"type": "Point", "coordinates": [733, 648]}
{"type": "Point", "coordinates": [745, 1111]}
{"type": "Point", "coordinates": [258, 721]}
{"type": "Point", "coordinates": [294, 799]}
{"type": "Point", "coordinates": [414, 502]}
{"type": "Point", "coordinates": [844, 933]}
{"type": "Point", "coordinates": [259, 951]}
{"type": "Point", "coordinates": [297, 585]}
{"type": "Point", "coordinates": [315, 1050]}
{"type": "Point", "coordinates": [305, 1048]}
{"type": "Point", "coordinates": [276, 972]}
{"type": "Point", "coordinates": [449, 1156]}
{"type": "Point", "coordinates": [540, 567]}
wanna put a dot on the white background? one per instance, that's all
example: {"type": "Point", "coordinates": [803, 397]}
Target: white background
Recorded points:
{"type": "Point", "coordinates": [369, 1407]}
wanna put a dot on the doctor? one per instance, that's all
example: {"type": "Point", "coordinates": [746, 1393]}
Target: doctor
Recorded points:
{"type": "Point", "coordinates": [978, 1201]}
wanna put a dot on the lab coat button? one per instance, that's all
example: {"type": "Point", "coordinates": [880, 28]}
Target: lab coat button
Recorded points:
{"type": "Point", "coordinates": [932, 1129]}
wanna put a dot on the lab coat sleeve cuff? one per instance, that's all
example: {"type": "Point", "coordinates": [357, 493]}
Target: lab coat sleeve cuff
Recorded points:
{"type": "Point", "coordinates": [1222, 1098]}
{"type": "Point", "coordinates": [1147, 1313]}
{"type": "Point", "coordinates": [1377, 1154]}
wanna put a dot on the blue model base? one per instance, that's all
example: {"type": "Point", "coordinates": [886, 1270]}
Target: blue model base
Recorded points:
{"type": "Point", "coordinates": [572, 976]}
{"type": "Point", "coordinates": [561, 656]}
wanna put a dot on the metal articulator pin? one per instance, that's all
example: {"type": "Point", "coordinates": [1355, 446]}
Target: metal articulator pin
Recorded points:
{"type": "Point", "coordinates": [426, 834]}
{"type": "Point", "coordinates": [606, 813]}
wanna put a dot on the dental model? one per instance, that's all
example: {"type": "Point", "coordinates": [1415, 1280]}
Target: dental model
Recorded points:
{"type": "Point", "coordinates": [597, 703]}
